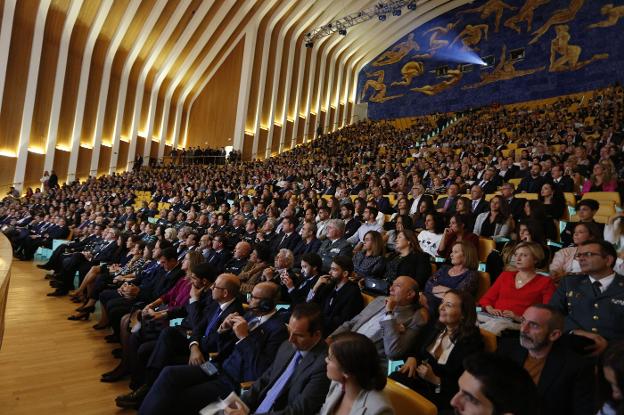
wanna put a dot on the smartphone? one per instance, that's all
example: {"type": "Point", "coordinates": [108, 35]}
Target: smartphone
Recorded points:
{"type": "Point", "coordinates": [209, 368]}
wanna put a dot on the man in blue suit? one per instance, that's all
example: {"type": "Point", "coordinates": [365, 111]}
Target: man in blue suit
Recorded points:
{"type": "Point", "coordinates": [257, 337]}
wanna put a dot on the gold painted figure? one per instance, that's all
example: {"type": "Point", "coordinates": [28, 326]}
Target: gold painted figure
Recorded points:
{"type": "Point", "coordinates": [487, 9]}
{"type": "Point", "coordinates": [560, 16]}
{"type": "Point", "coordinates": [455, 75]}
{"type": "Point", "coordinates": [379, 87]}
{"type": "Point", "coordinates": [398, 52]}
{"type": "Point", "coordinates": [613, 15]}
{"type": "Point", "coordinates": [525, 14]}
{"type": "Point", "coordinates": [409, 71]}
{"type": "Point", "coordinates": [565, 57]}
{"type": "Point", "coordinates": [504, 71]}
{"type": "Point", "coordinates": [471, 36]}
{"type": "Point", "coordinates": [434, 42]}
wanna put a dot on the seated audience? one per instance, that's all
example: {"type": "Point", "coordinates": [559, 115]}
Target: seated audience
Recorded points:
{"type": "Point", "coordinates": [435, 366]}
{"type": "Point", "coordinates": [257, 336]}
{"type": "Point", "coordinates": [408, 259]}
{"type": "Point", "coordinates": [461, 275]}
{"type": "Point", "coordinates": [369, 261]}
{"type": "Point", "coordinates": [564, 261]}
{"type": "Point", "coordinates": [586, 209]}
{"type": "Point", "coordinates": [591, 302]}
{"type": "Point", "coordinates": [514, 291]}
{"type": "Point", "coordinates": [612, 380]}
{"type": "Point", "coordinates": [458, 230]}
{"type": "Point", "coordinates": [556, 369]}
{"type": "Point", "coordinates": [302, 291]}
{"type": "Point", "coordinates": [431, 237]}
{"type": "Point", "coordinates": [335, 244]}
{"type": "Point", "coordinates": [495, 223]}
{"type": "Point", "coordinates": [493, 384]}
{"type": "Point", "coordinates": [357, 378]}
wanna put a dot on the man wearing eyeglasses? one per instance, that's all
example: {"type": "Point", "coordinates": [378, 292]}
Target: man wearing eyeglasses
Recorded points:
{"type": "Point", "coordinates": [593, 302]}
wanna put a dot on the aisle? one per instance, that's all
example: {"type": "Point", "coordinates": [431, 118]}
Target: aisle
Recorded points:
{"type": "Point", "coordinates": [49, 365]}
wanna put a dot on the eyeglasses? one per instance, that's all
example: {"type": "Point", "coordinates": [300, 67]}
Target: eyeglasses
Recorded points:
{"type": "Point", "coordinates": [216, 287]}
{"type": "Point", "coordinates": [586, 254]}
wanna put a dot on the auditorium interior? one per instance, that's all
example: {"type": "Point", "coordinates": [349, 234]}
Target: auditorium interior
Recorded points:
{"type": "Point", "coordinates": [303, 207]}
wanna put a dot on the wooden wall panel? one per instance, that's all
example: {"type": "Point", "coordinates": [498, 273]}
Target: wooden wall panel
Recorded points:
{"type": "Point", "coordinates": [122, 160]}
{"type": "Point", "coordinates": [289, 130]}
{"type": "Point", "coordinates": [312, 124]}
{"type": "Point", "coordinates": [93, 92]}
{"type": "Point", "coordinates": [104, 160]}
{"type": "Point", "coordinates": [262, 141]}
{"type": "Point", "coordinates": [47, 73]}
{"type": "Point", "coordinates": [304, 84]}
{"type": "Point", "coordinates": [332, 121]}
{"type": "Point", "coordinates": [275, 143]}
{"type": "Point", "coordinates": [61, 161]}
{"type": "Point", "coordinates": [299, 132]}
{"type": "Point", "coordinates": [6, 173]}
{"type": "Point", "coordinates": [154, 149]}
{"type": "Point", "coordinates": [84, 163]}
{"type": "Point", "coordinates": [16, 78]}
{"type": "Point", "coordinates": [34, 170]}
{"type": "Point", "coordinates": [247, 146]}
{"type": "Point", "coordinates": [212, 118]}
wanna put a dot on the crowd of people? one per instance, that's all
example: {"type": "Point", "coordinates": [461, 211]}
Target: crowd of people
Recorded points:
{"type": "Point", "coordinates": [254, 271]}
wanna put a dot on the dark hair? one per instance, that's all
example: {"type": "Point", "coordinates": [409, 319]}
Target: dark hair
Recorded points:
{"type": "Point", "coordinates": [606, 248]}
{"type": "Point", "coordinates": [344, 262]}
{"type": "Point", "coordinates": [594, 232]}
{"type": "Point", "coordinates": [590, 203]}
{"type": "Point", "coordinates": [535, 229]}
{"type": "Point", "coordinates": [204, 271]}
{"type": "Point", "coordinates": [357, 356]}
{"type": "Point", "coordinates": [468, 322]}
{"type": "Point", "coordinates": [164, 244]}
{"type": "Point", "coordinates": [612, 358]}
{"type": "Point", "coordinates": [538, 211]}
{"type": "Point", "coordinates": [406, 220]}
{"type": "Point", "coordinates": [372, 210]}
{"type": "Point", "coordinates": [413, 240]}
{"type": "Point", "coordinates": [312, 312]}
{"type": "Point", "coordinates": [263, 252]}
{"type": "Point", "coordinates": [292, 219]}
{"type": "Point", "coordinates": [349, 206]}
{"type": "Point", "coordinates": [438, 222]}
{"type": "Point", "coordinates": [169, 253]}
{"type": "Point", "coordinates": [313, 259]}
{"type": "Point", "coordinates": [504, 383]}
{"type": "Point", "coordinates": [503, 209]}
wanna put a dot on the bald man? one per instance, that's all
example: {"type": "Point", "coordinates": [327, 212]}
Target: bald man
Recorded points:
{"type": "Point", "coordinates": [391, 322]}
{"type": "Point", "coordinates": [242, 250]}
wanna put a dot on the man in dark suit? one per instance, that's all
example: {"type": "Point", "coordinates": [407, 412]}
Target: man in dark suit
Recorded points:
{"type": "Point", "coordinates": [242, 250]}
{"type": "Point", "coordinates": [339, 297]}
{"type": "Point", "coordinates": [382, 202]}
{"type": "Point", "coordinates": [287, 238]}
{"type": "Point", "coordinates": [516, 205]}
{"type": "Point", "coordinates": [83, 261]}
{"type": "Point", "coordinates": [351, 224]}
{"type": "Point", "coordinates": [206, 312]}
{"type": "Point", "coordinates": [593, 303]}
{"type": "Point", "coordinates": [218, 256]}
{"type": "Point", "coordinates": [564, 379]}
{"type": "Point", "coordinates": [296, 382]}
{"type": "Point", "coordinates": [488, 181]}
{"type": "Point", "coordinates": [561, 181]}
{"type": "Point", "coordinates": [81, 239]}
{"type": "Point", "coordinates": [258, 335]}
{"type": "Point", "coordinates": [478, 204]}
{"type": "Point", "coordinates": [533, 182]}
{"type": "Point", "coordinates": [447, 204]}
{"type": "Point", "coordinates": [302, 292]}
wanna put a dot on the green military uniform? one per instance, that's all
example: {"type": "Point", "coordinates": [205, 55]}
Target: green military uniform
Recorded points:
{"type": "Point", "coordinates": [602, 314]}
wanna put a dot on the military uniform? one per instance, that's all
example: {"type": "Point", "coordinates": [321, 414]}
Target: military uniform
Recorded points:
{"type": "Point", "coordinates": [602, 314]}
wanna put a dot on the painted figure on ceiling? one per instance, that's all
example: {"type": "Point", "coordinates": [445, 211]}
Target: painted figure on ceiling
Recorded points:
{"type": "Point", "coordinates": [455, 75]}
{"type": "Point", "coordinates": [397, 52]}
{"type": "Point", "coordinates": [491, 7]}
{"type": "Point", "coordinates": [565, 57]}
{"type": "Point", "coordinates": [525, 14]}
{"type": "Point", "coordinates": [409, 71]}
{"type": "Point", "coordinates": [471, 36]}
{"type": "Point", "coordinates": [560, 16]}
{"type": "Point", "coordinates": [379, 86]}
{"type": "Point", "coordinates": [614, 14]}
{"type": "Point", "coordinates": [435, 42]}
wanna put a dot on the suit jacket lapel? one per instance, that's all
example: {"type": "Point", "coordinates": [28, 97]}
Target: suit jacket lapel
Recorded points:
{"type": "Point", "coordinates": [553, 368]}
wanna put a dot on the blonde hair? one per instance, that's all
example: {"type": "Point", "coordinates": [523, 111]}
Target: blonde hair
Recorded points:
{"type": "Point", "coordinates": [536, 251]}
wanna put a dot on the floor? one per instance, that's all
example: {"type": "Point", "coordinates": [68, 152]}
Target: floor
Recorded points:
{"type": "Point", "coordinates": [49, 364]}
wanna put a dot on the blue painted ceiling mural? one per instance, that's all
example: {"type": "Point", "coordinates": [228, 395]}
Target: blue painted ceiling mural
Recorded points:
{"type": "Point", "coordinates": [533, 49]}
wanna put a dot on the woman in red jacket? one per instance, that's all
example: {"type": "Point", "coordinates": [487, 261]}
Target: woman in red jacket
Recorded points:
{"type": "Point", "coordinates": [514, 291]}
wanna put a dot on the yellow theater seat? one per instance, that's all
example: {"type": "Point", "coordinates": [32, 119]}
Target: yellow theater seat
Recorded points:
{"type": "Point", "coordinates": [405, 401]}
{"type": "Point", "coordinates": [484, 284]}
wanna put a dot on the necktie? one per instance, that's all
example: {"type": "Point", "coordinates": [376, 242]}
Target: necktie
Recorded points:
{"type": "Point", "coordinates": [253, 323]}
{"type": "Point", "coordinates": [597, 286]}
{"type": "Point", "coordinates": [447, 203]}
{"type": "Point", "coordinates": [213, 321]}
{"type": "Point", "coordinates": [276, 389]}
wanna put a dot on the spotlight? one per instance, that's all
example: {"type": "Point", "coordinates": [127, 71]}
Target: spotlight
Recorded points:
{"type": "Point", "coordinates": [342, 32]}
{"type": "Point", "coordinates": [309, 44]}
{"type": "Point", "coordinates": [396, 12]}
{"type": "Point", "coordinates": [411, 5]}
{"type": "Point", "coordinates": [382, 17]}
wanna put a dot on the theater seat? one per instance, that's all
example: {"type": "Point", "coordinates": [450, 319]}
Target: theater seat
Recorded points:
{"type": "Point", "coordinates": [405, 401]}
{"type": "Point", "coordinates": [489, 340]}
{"type": "Point", "coordinates": [486, 246]}
{"type": "Point", "coordinates": [600, 197]}
{"type": "Point", "coordinates": [484, 284]}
